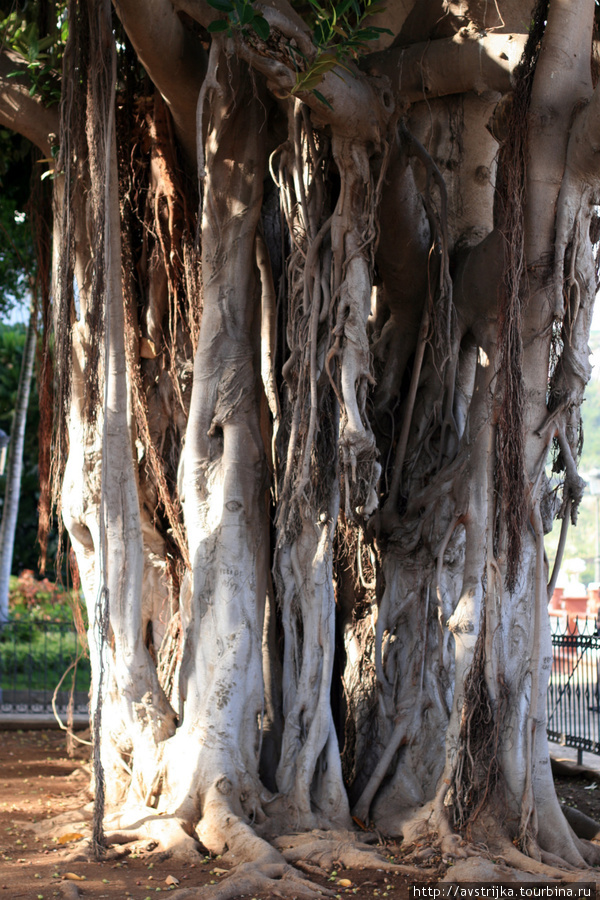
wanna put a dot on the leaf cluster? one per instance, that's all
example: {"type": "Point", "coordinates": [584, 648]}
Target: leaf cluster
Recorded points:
{"type": "Point", "coordinates": [341, 31]}
{"type": "Point", "coordinates": [17, 258]}
{"type": "Point", "coordinates": [240, 14]}
{"type": "Point", "coordinates": [42, 54]}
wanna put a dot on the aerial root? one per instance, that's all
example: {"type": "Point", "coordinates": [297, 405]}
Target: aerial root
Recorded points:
{"type": "Point", "coordinates": [451, 844]}
{"type": "Point", "coordinates": [326, 850]}
{"type": "Point", "coordinates": [272, 879]}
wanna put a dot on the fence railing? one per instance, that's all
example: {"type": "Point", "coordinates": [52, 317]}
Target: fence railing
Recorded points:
{"type": "Point", "coordinates": [34, 657]}
{"type": "Point", "coordinates": [573, 705]}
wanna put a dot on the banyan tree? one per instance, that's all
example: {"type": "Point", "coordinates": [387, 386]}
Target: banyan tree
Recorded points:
{"type": "Point", "coordinates": [322, 283]}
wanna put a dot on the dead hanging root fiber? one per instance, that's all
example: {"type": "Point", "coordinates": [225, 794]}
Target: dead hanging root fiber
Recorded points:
{"type": "Point", "coordinates": [70, 161]}
{"type": "Point", "coordinates": [477, 774]}
{"type": "Point", "coordinates": [134, 190]}
{"type": "Point", "coordinates": [40, 208]}
{"type": "Point", "coordinates": [510, 448]}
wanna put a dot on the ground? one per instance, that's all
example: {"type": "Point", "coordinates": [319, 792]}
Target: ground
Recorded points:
{"type": "Point", "coordinates": [40, 784]}
{"type": "Point", "coordinates": [38, 781]}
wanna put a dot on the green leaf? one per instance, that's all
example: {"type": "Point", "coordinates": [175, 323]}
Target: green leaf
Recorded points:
{"type": "Point", "coordinates": [319, 8]}
{"type": "Point", "coordinates": [33, 50]}
{"type": "Point", "coordinates": [218, 25]}
{"type": "Point", "coordinates": [309, 83]}
{"type": "Point", "coordinates": [247, 14]}
{"type": "Point", "coordinates": [343, 8]}
{"type": "Point", "coordinates": [322, 99]}
{"type": "Point", "coordinates": [221, 5]}
{"type": "Point", "coordinates": [261, 27]}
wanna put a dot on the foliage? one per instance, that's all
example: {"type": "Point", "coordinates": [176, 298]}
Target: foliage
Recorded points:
{"type": "Point", "coordinates": [340, 32]}
{"type": "Point", "coordinates": [16, 245]}
{"type": "Point", "coordinates": [38, 601]}
{"type": "Point", "coordinates": [40, 641]}
{"type": "Point", "coordinates": [239, 15]}
{"type": "Point", "coordinates": [42, 53]}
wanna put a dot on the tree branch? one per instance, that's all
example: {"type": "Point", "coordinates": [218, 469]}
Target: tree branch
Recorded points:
{"type": "Point", "coordinates": [21, 112]}
{"type": "Point", "coordinates": [173, 57]}
{"type": "Point", "coordinates": [360, 106]}
{"type": "Point", "coordinates": [584, 143]}
{"type": "Point", "coordinates": [562, 81]}
{"type": "Point", "coordinates": [464, 62]}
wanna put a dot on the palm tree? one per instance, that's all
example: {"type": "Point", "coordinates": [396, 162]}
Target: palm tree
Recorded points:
{"type": "Point", "coordinates": [15, 464]}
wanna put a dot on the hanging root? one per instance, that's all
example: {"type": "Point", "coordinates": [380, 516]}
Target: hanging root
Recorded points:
{"type": "Point", "coordinates": [510, 456]}
{"type": "Point", "coordinates": [477, 771]}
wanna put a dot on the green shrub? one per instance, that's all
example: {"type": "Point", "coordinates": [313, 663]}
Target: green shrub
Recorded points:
{"type": "Point", "coordinates": [41, 640]}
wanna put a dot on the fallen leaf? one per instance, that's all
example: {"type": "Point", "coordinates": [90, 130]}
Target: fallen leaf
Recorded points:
{"type": "Point", "coordinates": [71, 836]}
{"type": "Point", "coordinates": [170, 879]}
{"type": "Point", "coordinates": [221, 871]}
{"type": "Point", "coordinates": [71, 876]}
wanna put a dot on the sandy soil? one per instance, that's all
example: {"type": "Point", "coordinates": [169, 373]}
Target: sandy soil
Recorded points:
{"type": "Point", "coordinates": [40, 786]}
{"type": "Point", "coordinates": [38, 782]}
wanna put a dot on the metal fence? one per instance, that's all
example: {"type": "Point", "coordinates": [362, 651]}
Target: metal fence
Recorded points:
{"type": "Point", "coordinates": [573, 704]}
{"type": "Point", "coordinates": [34, 657]}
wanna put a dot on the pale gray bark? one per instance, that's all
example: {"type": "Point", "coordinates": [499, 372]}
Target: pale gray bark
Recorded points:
{"type": "Point", "coordinates": [390, 355]}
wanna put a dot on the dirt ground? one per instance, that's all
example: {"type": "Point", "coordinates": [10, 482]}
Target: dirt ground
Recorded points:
{"type": "Point", "coordinates": [38, 781]}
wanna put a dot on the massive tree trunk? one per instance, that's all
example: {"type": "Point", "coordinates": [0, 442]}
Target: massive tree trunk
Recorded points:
{"type": "Point", "coordinates": [307, 470]}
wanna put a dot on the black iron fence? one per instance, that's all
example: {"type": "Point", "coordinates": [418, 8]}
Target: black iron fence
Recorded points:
{"type": "Point", "coordinates": [573, 694]}
{"type": "Point", "coordinates": [36, 657]}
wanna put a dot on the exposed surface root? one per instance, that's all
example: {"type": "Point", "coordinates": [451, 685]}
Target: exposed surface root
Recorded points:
{"type": "Point", "coordinates": [514, 858]}
{"type": "Point", "coordinates": [162, 834]}
{"type": "Point", "coordinates": [77, 820]}
{"type": "Point", "coordinates": [69, 891]}
{"type": "Point", "coordinates": [582, 825]}
{"type": "Point", "coordinates": [248, 879]}
{"type": "Point", "coordinates": [327, 850]}
{"type": "Point", "coordinates": [590, 852]}
{"type": "Point", "coordinates": [480, 869]}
